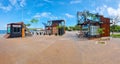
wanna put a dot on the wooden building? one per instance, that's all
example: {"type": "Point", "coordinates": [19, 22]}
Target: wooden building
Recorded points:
{"type": "Point", "coordinates": [106, 25]}
{"type": "Point", "coordinates": [16, 30]}
{"type": "Point", "coordinates": [56, 27]}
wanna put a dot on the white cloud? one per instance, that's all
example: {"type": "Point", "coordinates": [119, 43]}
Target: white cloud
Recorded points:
{"type": "Point", "coordinates": [115, 15]}
{"type": "Point", "coordinates": [54, 17]}
{"type": "Point", "coordinates": [113, 12]}
{"type": "Point", "coordinates": [18, 2]}
{"type": "Point", "coordinates": [109, 0]}
{"type": "Point", "coordinates": [69, 15]}
{"type": "Point", "coordinates": [22, 3]}
{"type": "Point", "coordinates": [3, 27]}
{"type": "Point", "coordinates": [110, 11]}
{"type": "Point", "coordinates": [37, 15]}
{"type": "Point", "coordinates": [101, 9]}
{"type": "Point", "coordinates": [119, 5]}
{"type": "Point", "coordinates": [27, 20]}
{"type": "Point", "coordinates": [13, 2]}
{"type": "Point", "coordinates": [45, 15]}
{"type": "Point", "coordinates": [5, 8]}
{"type": "Point", "coordinates": [75, 1]}
{"type": "Point", "coordinates": [49, 1]}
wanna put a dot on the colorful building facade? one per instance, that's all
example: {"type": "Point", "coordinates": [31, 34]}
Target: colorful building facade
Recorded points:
{"type": "Point", "coordinates": [90, 23]}
{"type": "Point", "coordinates": [56, 27]}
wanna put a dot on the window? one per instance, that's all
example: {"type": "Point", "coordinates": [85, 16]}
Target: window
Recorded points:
{"type": "Point", "coordinates": [81, 19]}
{"type": "Point", "coordinates": [8, 30]}
{"type": "Point", "coordinates": [93, 30]}
{"type": "Point", "coordinates": [16, 29]}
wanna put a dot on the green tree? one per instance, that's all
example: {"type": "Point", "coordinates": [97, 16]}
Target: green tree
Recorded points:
{"type": "Point", "coordinates": [66, 28]}
{"type": "Point", "coordinates": [115, 28]}
{"type": "Point", "coordinates": [114, 20]}
{"type": "Point", "coordinates": [34, 20]}
{"type": "Point", "coordinates": [59, 27]}
{"type": "Point", "coordinates": [100, 31]}
{"type": "Point", "coordinates": [28, 25]}
{"type": "Point", "coordinates": [70, 27]}
{"type": "Point", "coordinates": [77, 27]}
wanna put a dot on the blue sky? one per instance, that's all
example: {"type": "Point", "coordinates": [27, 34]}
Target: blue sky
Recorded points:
{"type": "Point", "coordinates": [44, 10]}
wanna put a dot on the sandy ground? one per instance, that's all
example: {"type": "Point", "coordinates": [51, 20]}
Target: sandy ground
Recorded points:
{"type": "Point", "coordinates": [1, 35]}
{"type": "Point", "coordinates": [67, 49]}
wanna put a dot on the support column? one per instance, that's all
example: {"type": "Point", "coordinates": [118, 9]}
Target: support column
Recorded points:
{"type": "Point", "coordinates": [23, 32]}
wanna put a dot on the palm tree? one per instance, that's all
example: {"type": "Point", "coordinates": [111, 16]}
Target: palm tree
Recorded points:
{"type": "Point", "coordinates": [34, 20]}
{"type": "Point", "coordinates": [28, 25]}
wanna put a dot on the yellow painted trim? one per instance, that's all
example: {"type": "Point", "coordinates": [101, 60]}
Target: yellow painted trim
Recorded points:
{"type": "Point", "coordinates": [23, 32]}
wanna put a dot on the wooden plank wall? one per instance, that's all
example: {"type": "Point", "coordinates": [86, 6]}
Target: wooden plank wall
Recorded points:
{"type": "Point", "coordinates": [106, 26]}
{"type": "Point", "coordinates": [54, 30]}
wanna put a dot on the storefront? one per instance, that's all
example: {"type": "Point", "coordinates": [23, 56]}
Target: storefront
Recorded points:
{"type": "Point", "coordinates": [16, 29]}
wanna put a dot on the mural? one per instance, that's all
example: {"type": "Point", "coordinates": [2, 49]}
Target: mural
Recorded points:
{"type": "Point", "coordinates": [86, 16]}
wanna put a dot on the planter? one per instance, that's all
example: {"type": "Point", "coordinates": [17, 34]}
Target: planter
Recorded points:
{"type": "Point", "coordinates": [101, 42]}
